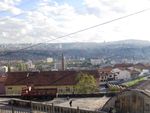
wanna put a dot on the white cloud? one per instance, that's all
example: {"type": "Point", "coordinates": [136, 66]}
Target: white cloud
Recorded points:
{"type": "Point", "coordinates": [11, 2]}
{"type": "Point", "coordinates": [4, 34]}
{"type": "Point", "coordinates": [52, 20]}
{"type": "Point", "coordinates": [9, 6]}
{"type": "Point", "coordinates": [134, 27]}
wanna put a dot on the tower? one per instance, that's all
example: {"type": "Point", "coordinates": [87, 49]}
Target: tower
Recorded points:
{"type": "Point", "coordinates": [62, 62]}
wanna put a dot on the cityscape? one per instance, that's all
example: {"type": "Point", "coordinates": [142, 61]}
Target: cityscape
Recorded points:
{"type": "Point", "coordinates": [77, 56]}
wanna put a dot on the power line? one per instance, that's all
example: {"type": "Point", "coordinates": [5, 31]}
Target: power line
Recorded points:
{"type": "Point", "coordinates": [81, 30]}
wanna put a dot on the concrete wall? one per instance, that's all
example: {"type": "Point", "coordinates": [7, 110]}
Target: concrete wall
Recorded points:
{"type": "Point", "coordinates": [14, 90]}
{"type": "Point", "coordinates": [17, 89]}
{"type": "Point", "coordinates": [129, 102]}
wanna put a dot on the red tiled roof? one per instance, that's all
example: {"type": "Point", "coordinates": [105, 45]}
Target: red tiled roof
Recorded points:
{"type": "Point", "coordinates": [123, 65]}
{"type": "Point", "coordinates": [45, 78]}
{"type": "Point", "coordinates": [140, 66]}
{"type": "Point", "coordinates": [108, 70]}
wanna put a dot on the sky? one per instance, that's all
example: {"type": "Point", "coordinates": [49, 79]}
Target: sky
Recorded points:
{"type": "Point", "coordinates": [42, 21]}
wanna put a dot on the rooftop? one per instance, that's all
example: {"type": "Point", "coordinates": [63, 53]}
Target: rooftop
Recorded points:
{"type": "Point", "coordinates": [46, 78]}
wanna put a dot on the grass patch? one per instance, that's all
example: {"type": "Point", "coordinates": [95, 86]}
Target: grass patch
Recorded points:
{"type": "Point", "coordinates": [134, 82]}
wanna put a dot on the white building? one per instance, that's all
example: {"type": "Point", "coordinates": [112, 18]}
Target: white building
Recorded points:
{"type": "Point", "coordinates": [49, 60]}
{"type": "Point", "coordinates": [121, 74]}
{"type": "Point", "coordinates": [96, 61]}
{"type": "Point", "coordinates": [4, 69]}
{"type": "Point", "coordinates": [144, 72]}
{"type": "Point", "coordinates": [30, 65]}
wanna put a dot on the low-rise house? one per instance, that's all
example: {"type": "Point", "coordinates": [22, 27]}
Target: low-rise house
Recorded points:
{"type": "Point", "coordinates": [140, 66]}
{"type": "Point", "coordinates": [121, 74]}
{"type": "Point", "coordinates": [106, 74]}
{"type": "Point", "coordinates": [134, 74]}
{"type": "Point", "coordinates": [64, 81]}
{"type": "Point", "coordinates": [111, 74]}
{"type": "Point", "coordinates": [144, 72]}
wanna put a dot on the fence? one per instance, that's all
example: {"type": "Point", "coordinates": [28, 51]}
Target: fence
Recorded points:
{"type": "Point", "coordinates": [36, 107]}
{"type": "Point", "coordinates": [9, 109]}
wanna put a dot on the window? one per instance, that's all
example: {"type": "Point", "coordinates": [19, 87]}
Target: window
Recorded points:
{"type": "Point", "coordinates": [60, 90]}
{"type": "Point", "coordinates": [9, 87]}
{"type": "Point", "coordinates": [67, 89]}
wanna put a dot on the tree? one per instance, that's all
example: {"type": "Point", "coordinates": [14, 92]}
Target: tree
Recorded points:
{"type": "Point", "coordinates": [21, 67]}
{"type": "Point", "coordinates": [86, 83]}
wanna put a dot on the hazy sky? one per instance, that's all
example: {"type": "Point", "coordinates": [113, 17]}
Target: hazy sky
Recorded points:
{"type": "Point", "coordinates": [41, 20]}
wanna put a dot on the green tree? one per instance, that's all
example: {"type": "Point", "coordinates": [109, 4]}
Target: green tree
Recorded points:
{"type": "Point", "coordinates": [85, 84]}
{"type": "Point", "coordinates": [21, 67]}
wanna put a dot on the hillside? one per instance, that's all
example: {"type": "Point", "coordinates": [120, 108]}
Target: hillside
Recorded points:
{"type": "Point", "coordinates": [128, 49]}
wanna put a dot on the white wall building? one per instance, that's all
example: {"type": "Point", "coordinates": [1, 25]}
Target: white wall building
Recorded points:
{"type": "Point", "coordinates": [4, 69]}
{"type": "Point", "coordinates": [96, 61]}
{"type": "Point", "coordinates": [49, 60]}
{"type": "Point", "coordinates": [30, 65]}
{"type": "Point", "coordinates": [144, 72]}
{"type": "Point", "coordinates": [121, 74]}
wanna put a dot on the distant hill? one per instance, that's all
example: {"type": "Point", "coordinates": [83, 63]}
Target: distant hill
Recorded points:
{"type": "Point", "coordinates": [127, 49]}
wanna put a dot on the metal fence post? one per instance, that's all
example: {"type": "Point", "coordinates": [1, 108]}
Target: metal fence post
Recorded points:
{"type": "Point", "coordinates": [30, 106]}
{"type": "Point", "coordinates": [12, 108]}
{"type": "Point", "coordinates": [78, 110]}
{"type": "Point", "coordinates": [53, 111]}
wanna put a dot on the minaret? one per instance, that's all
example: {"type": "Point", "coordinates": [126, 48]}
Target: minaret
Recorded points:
{"type": "Point", "coordinates": [62, 62]}
{"type": "Point", "coordinates": [9, 68]}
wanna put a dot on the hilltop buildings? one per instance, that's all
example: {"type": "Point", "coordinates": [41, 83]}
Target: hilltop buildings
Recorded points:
{"type": "Point", "coordinates": [123, 72]}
